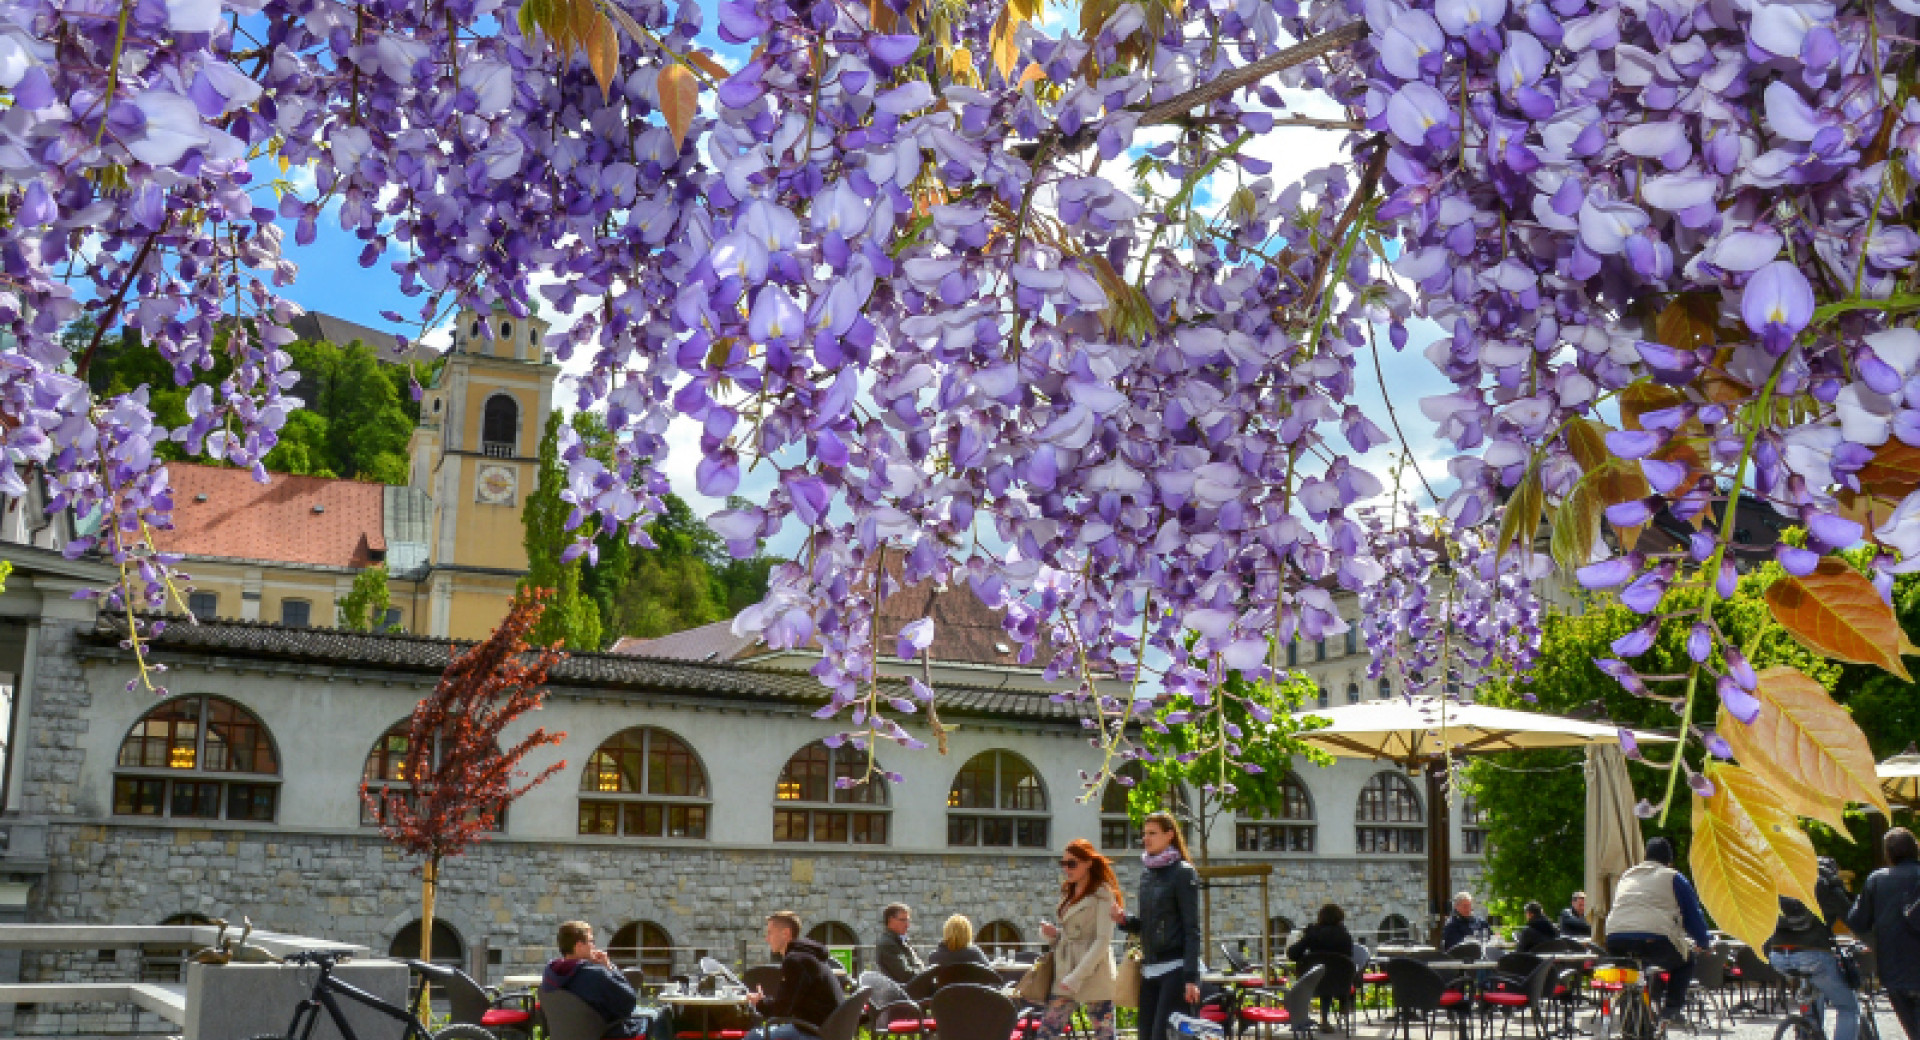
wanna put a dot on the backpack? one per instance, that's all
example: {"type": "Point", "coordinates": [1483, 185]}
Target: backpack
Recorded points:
{"type": "Point", "coordinates": [1795, 917]}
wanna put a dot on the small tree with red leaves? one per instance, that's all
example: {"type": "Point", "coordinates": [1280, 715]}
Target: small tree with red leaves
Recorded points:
{"type": "Point", "coordinates": [455, 795]}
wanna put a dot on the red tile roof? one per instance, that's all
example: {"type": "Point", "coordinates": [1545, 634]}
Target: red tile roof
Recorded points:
{"type": "Point", "coordinates": [225, 513]}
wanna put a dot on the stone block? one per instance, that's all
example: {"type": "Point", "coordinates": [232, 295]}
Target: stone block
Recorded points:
{"type": "Point", "coordinates": [239, 1001]}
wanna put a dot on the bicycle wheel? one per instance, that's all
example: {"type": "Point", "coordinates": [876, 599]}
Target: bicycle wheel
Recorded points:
{"type": "Point", "coordinates": [1869, 1029]}
{"type": "Point", "coordinates": [1799, 1027]}
{"type": "Point", "coordinates": [1637, 1021]}
{"type": "Point", "coordinates": [1604, 1026]}
{"type": "Point", "coordinates": [463, 1032]}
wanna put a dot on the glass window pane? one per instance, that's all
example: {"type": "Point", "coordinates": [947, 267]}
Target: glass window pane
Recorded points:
{"type": "Point", "coordinates": [599, 818]}
{"type": "Point", "coordinates": [807, 777]}
{"type": "Point", "coordinates": [696, 821]}
{"type": "Point", "coordinates": [997, 832]}
{"type": "Point", "coordinates": [973, 785]}
{"type": "Point", "coordinates": [1113, 834]}
{"type": "Point", "coordinates": [1030, 834]}
{"type": "Point", "coordinates": [790, 825]}
{"type": "Point", "coordinates": [963, 830]}
{"type": "Point", "coordinates": [870, 829]}
{"type": "Point", "coordinates": [138, 797]}
{"type": "Point", "coordinates": [1019, 787]}
{"type": "Point", "coordinates": [196, 800]}
{"type": "Point", "coordinates": [251, 802]}
{"type": "Point", "coordinates": [203, 605]}
{"type": "Point", "coordinates": [830, 826]}
{"type": "Point", "coordinates": [295, 613]}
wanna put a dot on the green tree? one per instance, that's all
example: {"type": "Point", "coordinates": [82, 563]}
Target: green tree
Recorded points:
{"type": "Point", "coordinates": [302, 448]}
{"type": "Point", "coordinates": [571, 618]}
{"type": "Point", "coordinates": [1259, 718]}
{"type": "Point", "coordinates": [1534, 802]}
{"type": "Point", "coordinates": [365, 607]}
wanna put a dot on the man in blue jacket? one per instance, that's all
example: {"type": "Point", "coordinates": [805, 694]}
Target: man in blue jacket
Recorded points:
{"type": "Point", "coordinates": [1656, 917]}
{"type": "Point", "coordinates": [1879, 916]}
{"type": "Point", "coordinates": [585, 971]}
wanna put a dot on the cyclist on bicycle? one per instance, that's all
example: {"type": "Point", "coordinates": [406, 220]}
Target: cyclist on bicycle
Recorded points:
{"type": "Point", "coordinates": [1801, 941]}
{"type": "Point", "coordinates": [1655, 914]}
{"type": "Point", "coordinates": [1879, 917]}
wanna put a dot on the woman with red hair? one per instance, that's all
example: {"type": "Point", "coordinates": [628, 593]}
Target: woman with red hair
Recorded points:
{"type": "Point", "coordinates": [1082, 943]}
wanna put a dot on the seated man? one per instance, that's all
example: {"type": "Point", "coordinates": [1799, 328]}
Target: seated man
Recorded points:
{"type": "Point", "coordinates": [807, 992]}
{"type": "Point", "coordinates": [1573, 920]}
{"type": "Point", "coordinates": [1656, 917]}
{"type": "Point", "coordinates": [583, 970]}
{"type": "Point", "coordinates": [896, 958]}
{"type": "Point", "coordinates": [1537, 931]}
{"type": "Point", "coordinates": [1462, 926]}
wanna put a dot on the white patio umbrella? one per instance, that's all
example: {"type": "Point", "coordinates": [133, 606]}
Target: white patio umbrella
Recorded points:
{"type": "Point", "coordinates": [1613, 832]}
{"type": "Point", "coordinates": [1419, 732]}
{"type": "Point", "coordinates": [1900, 777]}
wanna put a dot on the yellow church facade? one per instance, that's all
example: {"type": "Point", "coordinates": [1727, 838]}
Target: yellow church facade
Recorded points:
{"type": "Point", "coordinates": [451, 539]}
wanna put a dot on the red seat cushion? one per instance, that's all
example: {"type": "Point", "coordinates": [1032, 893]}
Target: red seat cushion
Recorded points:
{"type": "Point", "coordinates": [909, 1025]}
{"type": "Point", "coordinates": [1607, 987]}
{"type": "Point", "coordinates": [1374, 977]}
{"type": "Point", "coordinates": [1213, 1014]}
{"type": "Point", "coordinates": [1264, 1014]}
{"type": "Point", "coordinates": [1559, 991]}
{"type": "Point", "coordinates": [1505, 999]}
{"type": "Point", "coordinates": [505, 1017]}
{"type": "Point", "coordinates": [1452, 997]}
{"type": "Point", "coordinates": [718, 1034]}
{"type": "Point", "coordinates": [1735, 972]}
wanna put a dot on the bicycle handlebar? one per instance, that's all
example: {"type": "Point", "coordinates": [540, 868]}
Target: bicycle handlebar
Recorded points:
{"type": "Point", "coordinates": [319, 958]}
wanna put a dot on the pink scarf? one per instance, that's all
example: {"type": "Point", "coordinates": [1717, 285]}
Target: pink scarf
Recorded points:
{"type": "Point", "coordinates": [1167, 857]}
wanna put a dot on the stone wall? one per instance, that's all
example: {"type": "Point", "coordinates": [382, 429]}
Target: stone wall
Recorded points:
{"type": "Point", "coordinates": [51, 758]}
{"type": "Point", "coordinates": [512, 895]}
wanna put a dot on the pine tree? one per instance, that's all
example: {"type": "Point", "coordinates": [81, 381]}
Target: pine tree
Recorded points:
{"type": "Point", "coordinates": [571, 617]}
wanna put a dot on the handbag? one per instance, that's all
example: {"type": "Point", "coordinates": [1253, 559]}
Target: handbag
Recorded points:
{"type": "Point", "coordinates": [1036, 983]}
{"type": "Point", "coordinates": [1126, 980]}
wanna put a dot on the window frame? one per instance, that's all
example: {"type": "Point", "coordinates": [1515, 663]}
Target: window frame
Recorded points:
{"type": "Point", "coordinates": [493, 447]}
{"type": "Point", "coordinates": [1026, 828]}
{"type": "Point", "coordinates": [1473, 826]}
{"type": "Point", "coordinates": [1385, 830]}
{"type": "Point", "coordinates": [876, 807]}
{"type": "Point", "coordinates": [1131, 840]}
{"type": "Point", "coordinates": [989, 941]}
{"type": "Point", "coordinates": [382, 785]}
{"type": "Point", "coordinates": [1296, 832]}
{"type": "Point", "coordinates": [289, 601]}
{"type": "Point", "coordinates": [209, 794]}
{"type": "Point", "coordinates": [213, 604]}
{"type": "Point", "coordinates": [623, 805]}
{"type": "Point", "coordinates": [1353, 692]}
{"type": "Point", "coordinates": [641, 954]}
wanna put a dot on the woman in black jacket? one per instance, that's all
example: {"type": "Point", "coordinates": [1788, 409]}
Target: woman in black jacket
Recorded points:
{"type": "Point", "coordinates": [1168, 925]}
{"type": "Point", "coordinates": [1327, 934]}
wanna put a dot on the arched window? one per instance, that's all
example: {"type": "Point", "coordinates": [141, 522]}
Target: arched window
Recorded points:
{"type": "Point", "coordinates": [812, 804]}
{"type": "Point", "coordinates": [169, 963]}
{"type": "Point", "coordinates": [198, 757]}
{"type": "Point", "coordinates": [1117, 829]}
{"type": "Point", "coordinates": [1386, 687]}
{"type": "Point", "coordinates": [643, 945]}
{"type": "Point", "coordinates": [448, 948]}
{"type": "Point", "coordinates": [1291, 830]}
{"type": "Point", "coordinates": [1353, 638]}
{"type": "Point", "coordinates": [999, 940]}
{"type": "Point", "coordinates": [644, 783]}
{"type": "Point", "coordinates": [1389, 818]}
{"type": "Point", "coordinates": [1323, 699]}
{"type": "Point", "coordinates": [500, 427]}
{"type": "Point", "coordinates": [1473, 827]}
{"type": "Point", "coordinates": [1293, 654]}
{"type": "Point", "coordinates": [1320, 649]}
{"type": "Point", "coordinates": [840, 942]}
{"type": "Point", "coordinates": [1394, 929]}
{"type": "Point", "coordinates": [997, 800]}
{"type": "Point", "coordinates": [386, 773]}
{"type": "Point", "coordinates": [1353, 693]}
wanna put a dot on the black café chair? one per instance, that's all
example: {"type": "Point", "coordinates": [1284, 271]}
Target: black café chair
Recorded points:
{"type": "Point", "coordinates": [965, 1011]}
{"type": "Point", "coordinates": [1466, 951]}
{"type": "Point", "coordinates": [1295, 1010]}
{"type": "Point", "coordinates": [471, 1004]}
{"type": "Point", "coordinates": [569, 1018]}
{"type": "Point", "coordinates": [1336, 986]}
{"type": "Point", "coordinates": [1419, 990]}
{"type": "Point", "coordinates": [1529, 997]}
{"type": "Point", "coordinates": [964, 973]}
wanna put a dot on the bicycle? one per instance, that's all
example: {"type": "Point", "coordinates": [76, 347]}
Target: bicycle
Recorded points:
{"type": "Point", "coordinates": [1628, 1014]}
{"type": "Point", "coordinates": [1804, 1023]}
{"type": "Point", "coordinates": [325, 988]}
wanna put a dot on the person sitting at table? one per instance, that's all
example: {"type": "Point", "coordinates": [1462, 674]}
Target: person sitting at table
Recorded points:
{"type": "Point", "coordinates": [1573, 920]}
{"type": "Point", "coordinates": [1462, 926]}
{"type": "Point", "coordinates": [585, 971]}
{"type": "Point", "coordinates": [956, 945]}
{"type": "Point", "coordinates": [1657, 918]}
{"type": "Point", "coordinates": [1327, 934]}
{"type": "Point", "coordinates": [806, 993]}
{"type": "Point", "coordinates": [1538, 929]}
{"type": "Point", "coordinates": [896, 959]}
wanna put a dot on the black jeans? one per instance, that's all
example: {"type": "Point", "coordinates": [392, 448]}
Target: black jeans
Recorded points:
{"type": "Point", "coordinates": [1659, 953]}
{"type": "Point", "coordinates": [1906, 1008]}
{"type": "Point", "coordinates": [1159, 999]}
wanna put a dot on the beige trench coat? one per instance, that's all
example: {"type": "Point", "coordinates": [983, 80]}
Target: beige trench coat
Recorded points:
{"type": "Point", "coordinates": [1083, 954]}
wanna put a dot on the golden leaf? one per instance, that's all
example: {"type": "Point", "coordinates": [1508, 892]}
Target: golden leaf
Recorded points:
{"type": "Point", "coordinates": [679, 100]}
{"type": "Point", "coordinates": [1522, 520]}
{"type": "Point", "coordinates": [1795, 797]}
{"type": "Point", "coordinates": [1621, 481]}
{"type": "Point", "coordinates": [960, 66]}
{"type": "Point", "coordinates": [1588, 442]}
{"type": "Point", "coordinates": [1732, 870]}
{"type": "Point", "coordinates": [1005, 51]}
{"type": "Point", "coordinates": [1637, 399]}
{"type": "Point", "coordinates": [1802, 741]}
{"type": "Point", "coordinates": [603, 53]}
{"type": "Point", "coordinates": [882, 15]}
{"type": "Point", "coordinates": [1836, 611]}
{"type": "Point", "coordinates": [1894, 472]}
{"type": "Point", "coordinates": [1691, 320]}
{"type": "Point", "coordinates": [708, 65]}
{"type": "Point", "coordinates": [1031, 74]}
{"type": "Point", "coordinates": [1796, 867]}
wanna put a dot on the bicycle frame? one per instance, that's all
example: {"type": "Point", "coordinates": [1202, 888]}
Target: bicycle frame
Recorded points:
{"type": "Point", "coordinates": [307, 1015]}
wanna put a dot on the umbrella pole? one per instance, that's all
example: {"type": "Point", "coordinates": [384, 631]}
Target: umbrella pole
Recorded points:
{"type": "Point", "coordinates": [1439, 851]}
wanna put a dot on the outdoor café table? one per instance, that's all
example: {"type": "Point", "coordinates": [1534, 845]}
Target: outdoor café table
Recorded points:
{"type": "Point", "coordinates": [1009, 971]}
{"type": "Point", "coordinates": [704, 1003]}
{"type": "Point", "coordinates": [520, 981]}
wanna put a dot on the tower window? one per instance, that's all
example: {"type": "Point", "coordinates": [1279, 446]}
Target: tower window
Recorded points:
{"type": "Point", "coordinates": [500, 427]}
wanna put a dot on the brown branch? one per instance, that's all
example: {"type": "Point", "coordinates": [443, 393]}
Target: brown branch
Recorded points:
{"type": "Point", "coordinates": [112, 313]}
{"type": "Point", "coordinates": [1369, 180]}
{"type": "Point", "coordinates": [1298, 54]}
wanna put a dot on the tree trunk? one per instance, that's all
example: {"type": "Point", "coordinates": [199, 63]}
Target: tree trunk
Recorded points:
{"type": "Point", "coordinates": [429, 880]}
{"type": "Point", "coordinates": [1205, 822]}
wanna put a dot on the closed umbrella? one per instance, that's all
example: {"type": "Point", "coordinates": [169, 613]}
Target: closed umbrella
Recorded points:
{"type": "Point", "coordinates": [1613, 831]}
{"type": "Point", "coordinates": [1900, 777]}
{"type": "Point", "coordinates": [1421, 732]}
